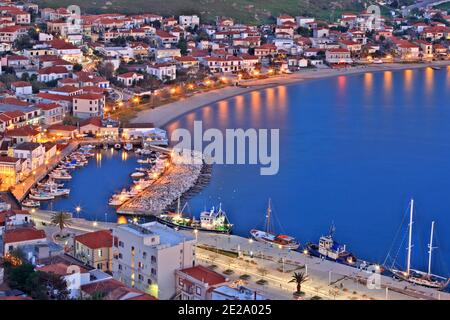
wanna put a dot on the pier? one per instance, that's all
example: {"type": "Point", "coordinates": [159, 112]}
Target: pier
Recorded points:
{"type": "Point", "coordinates": [180, 176]}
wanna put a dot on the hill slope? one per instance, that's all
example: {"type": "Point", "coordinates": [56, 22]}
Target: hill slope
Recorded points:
{"type": "Point", "coordinates": [250, 11]}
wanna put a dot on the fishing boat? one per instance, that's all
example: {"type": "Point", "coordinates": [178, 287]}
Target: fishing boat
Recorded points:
{"type": "Point", "coordinates": [40, 196]}
{"type": "Point", "coordinates": [267, 236]}
{"type": "Point", "coordinates": [210, 221]}
{"type": "Point", "coordinates": [146, 161]}
{"type": "Point", "coordinates": [117, 146]}
{"type": "Point", "coordinates": [411, 275]}
{"type": "Point", "coordinates": [329, 249]}
{"type": "Point", "coordinates": [50, 183]}
{"type": "Point", "coordinates": [128, 146]}
{"type": "Point", "coordinates": [138, 175]}
{"type": "Point", "coordinates": [436, 68]}
{"type": "Point", "coordinates": [60, 175]}
{"type": "Point", "coordinates": [30, 203]}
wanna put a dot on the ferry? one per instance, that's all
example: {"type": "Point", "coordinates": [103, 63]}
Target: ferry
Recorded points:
{"type": "Point", "coordinates": [426, 279]}
{"type": "Point", "coordinates": [329, 249]}
{"type": "Point", "coordinates": [267, 236]}
{"type": "Point", "coordinates": [210, 221]}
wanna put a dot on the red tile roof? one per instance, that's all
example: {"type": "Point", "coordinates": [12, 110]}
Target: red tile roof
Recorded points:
{"type": "Point", "coordinates": [60, 269]}
{"type": "Point", "coordinates": [23, 234]}
{"type": "Point", "coordinates": [204, 275]}
{"type": "Point", "coordinates": [97, 239]}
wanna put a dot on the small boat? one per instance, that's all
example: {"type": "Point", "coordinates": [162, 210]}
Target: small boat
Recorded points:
{"type": "Point", "coordinates": [435, 68]}
{"type": "Point", "coordinates": [267, 236]}
{"type": "Point", "coordinates": [60, 175]}
{"type": "Point", "coordinates": [117, 146]}
{"type": "Point", "coordinates": [426, 279]}
{"type": "Point", "coordinates": [138, 175]}
{"type": "Point", "coordinates": [210, 221]}
{"type": "Point", "coordinates": [128, 146]}
{"type": "Point", "coordinates": [141, 169]}
{"type": "Point", "coordinates": [145, 161]}
{"type": "Point", "coordinates": [41, 196]}
{"type": "Point", "coordinates": [329, 249]}
{"type": "Point", "coordinates": [30, 203]}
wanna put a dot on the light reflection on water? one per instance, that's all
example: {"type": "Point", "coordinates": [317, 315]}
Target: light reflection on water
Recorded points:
{"type": "Point", "coordinates": [342, 160]}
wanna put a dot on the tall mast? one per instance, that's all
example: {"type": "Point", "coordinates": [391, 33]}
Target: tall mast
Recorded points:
{"type": "Point", "coordinates": [178, 205]}
{"type": "Point", "coordinates": [408, 260]}
{"type": "Point", "coordinates": [430, 248]}
{"type": "Point", "coordinates": [269, 211]}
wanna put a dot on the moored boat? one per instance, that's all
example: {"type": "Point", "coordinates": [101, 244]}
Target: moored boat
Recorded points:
{"type": "Point", "coordinates": [30, 203]}
{"type": "Point", "coordinates": [267, 236]}
{"type": "Point", "coordinates": [128, 146]}
{"type": "Point", "coordinates": [41, 196]}
{"type": "Point", "coordinates": [329, 249]}
{"type": "Point", "coordinates": [210, 221]}
{"type": "Point", "coordinates": [418, 277]}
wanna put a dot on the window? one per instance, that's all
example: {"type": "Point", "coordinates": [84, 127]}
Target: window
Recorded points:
{"type": "Point", "coordinates": [198, 291]}
{"type": "Point", "coordinates": [180, 282]}
{"type": "Point", "coordinates": [121, 244]}
{"type": "Point", "coordinates": [144, 254]}
{"type": "Point", "coordinates": [120, 256]}
{"type": "Point", "coordinates": [99, 266]}
{"type": "Point", "coordinates": [120, 267]}
{"type": "Point", "coordinates": [140, 277]}
{"type": "Point", "coordinates": [100, 253]}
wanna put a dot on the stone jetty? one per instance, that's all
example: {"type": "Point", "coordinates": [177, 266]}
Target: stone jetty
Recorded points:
{"type": "Point", "coordinates": [183, 175]}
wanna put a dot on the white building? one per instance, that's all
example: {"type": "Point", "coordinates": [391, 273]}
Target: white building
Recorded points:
{"type": "Point", "coordinates": [33, 152]}
{"type": "Point", "coordinates": [88, 105]}
{"type": "Point", "coordinates": [148, 256]}
{"type": "Point", "coordinates": [163, 71]}
{"type": "Point", "coordinates": [189, 21]}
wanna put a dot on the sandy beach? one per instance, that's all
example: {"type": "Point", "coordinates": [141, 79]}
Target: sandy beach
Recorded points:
{"type": "Point", "coordinates": [164, 114]}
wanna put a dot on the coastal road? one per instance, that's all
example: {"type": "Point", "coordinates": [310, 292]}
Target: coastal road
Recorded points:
{"type": "Point", "coordinates": [328, 280]}
{"type": "Point", "coordinates": [424, 4]}
{"type": "Point", "coordinates": [322, 272]}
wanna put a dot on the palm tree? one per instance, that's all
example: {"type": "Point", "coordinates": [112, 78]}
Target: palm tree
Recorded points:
{"type": "Point", "coordinates": [62, 220]}
{"type": "Point", "coordinates": [299, 278]}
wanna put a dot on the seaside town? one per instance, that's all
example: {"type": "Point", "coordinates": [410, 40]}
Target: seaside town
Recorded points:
{"type": "Point", "coordinates": [74, 85]}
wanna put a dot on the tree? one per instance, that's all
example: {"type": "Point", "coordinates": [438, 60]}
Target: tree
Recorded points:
{"type": "Point", "coordinates": [299, 278]}
{"type": "Point", "coordinates": [62, 220]}
{"type": "Point", "coordinates": [182, 45]}
{"type": "Point", "coordinates": [106, 70]}
{"type": "Point", "coordinates": [23, 42]}
{"type": "Point", "coordinates": [77, 67]}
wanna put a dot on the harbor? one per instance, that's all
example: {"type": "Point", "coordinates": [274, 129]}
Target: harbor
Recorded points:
{"type": "Point", "coordinates": [328, 279]}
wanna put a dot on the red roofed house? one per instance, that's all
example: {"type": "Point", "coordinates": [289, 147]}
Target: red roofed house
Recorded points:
{"type": "Point", "coordinates": [62, 131]}
{"type": "Point", "coordinates": [195, 283]}
{"type": "Point", "coordinates": [10, 171]}
{"type": "Point", "coordinates": [266, 50]}
{"type": "Point", "coordinates": [95, 249]}
{"type": "Point", "coordinates": [11, 218]}
{"type": "Point", "coordinates": [88, 105]}
{"type": "Point", "coordinates": [338, 56]}
{"type": "Point", "coordinates": [52, 113]}
{"type": "Point", "coordinates": [21, 88]}
{"type": "Point", "coordinates": [13, 238]}
{"type": "Point", "coordinates": [111, 289]}
{"type": "Point", "coordinates": [130, 78]}
{"type": "Point", "coordinates": [74, 275]}
{"type": "Point", "coordinates": [52, 73]}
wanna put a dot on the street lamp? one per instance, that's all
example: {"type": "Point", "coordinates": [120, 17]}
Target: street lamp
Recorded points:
{"type": "Point", "coordinates": [78, 209]}
{"type": "Point", "coordinates": [196, 235]}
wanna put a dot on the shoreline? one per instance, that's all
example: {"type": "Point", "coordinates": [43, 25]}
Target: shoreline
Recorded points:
{"type": "Point", "coordinates": [165, 114]}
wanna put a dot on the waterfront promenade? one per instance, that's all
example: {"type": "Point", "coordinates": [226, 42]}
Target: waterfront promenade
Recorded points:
{"type": "Point", "coordinates": [328, 280]}
{"type": "Point", "coordinates": [166, 113]}
{"type": "Point", "coordinates": [21, 190]}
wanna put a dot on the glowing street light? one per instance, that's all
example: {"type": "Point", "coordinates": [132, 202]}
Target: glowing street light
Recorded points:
{"type": "Point", "coordinates": [136, 99]}
{"type": "Point", "coordinates": [196, 234]}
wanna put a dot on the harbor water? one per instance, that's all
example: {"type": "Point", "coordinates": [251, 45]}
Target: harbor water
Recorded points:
{"type": "Point", "coordinates": [353, 151]}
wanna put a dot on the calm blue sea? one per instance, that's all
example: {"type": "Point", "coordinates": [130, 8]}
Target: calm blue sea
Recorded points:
{"type": "Point", "coordinates": [353, 151]}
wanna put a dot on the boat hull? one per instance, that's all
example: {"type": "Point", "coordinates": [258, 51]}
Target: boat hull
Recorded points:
{"type": "Point", "coordinates": [177, 226]}
{"type": "Point", "coordinates": [263, 237]}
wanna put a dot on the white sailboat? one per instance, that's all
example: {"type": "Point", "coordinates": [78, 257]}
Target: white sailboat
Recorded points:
{"type": "Point", "coordinates": [426, 279]}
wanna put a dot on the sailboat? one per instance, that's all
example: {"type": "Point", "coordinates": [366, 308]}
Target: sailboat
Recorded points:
{"type": "Point", "coordinates": [426, 279]}
{"type": "Point", "coordinates": [267, 236]}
